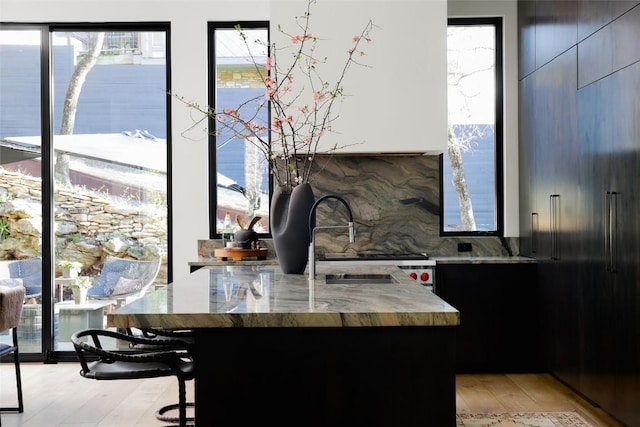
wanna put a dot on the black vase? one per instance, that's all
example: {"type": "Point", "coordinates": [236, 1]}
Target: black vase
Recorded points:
{"type": "Point", "coordinates": [289, 219]}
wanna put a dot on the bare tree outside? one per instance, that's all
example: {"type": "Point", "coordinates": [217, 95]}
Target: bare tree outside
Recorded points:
{"type": "Point", "coordinates": [79, 76]}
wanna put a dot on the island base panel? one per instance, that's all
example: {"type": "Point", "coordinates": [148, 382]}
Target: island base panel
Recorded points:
{"type": "Point", "coordinates": [326, 376]}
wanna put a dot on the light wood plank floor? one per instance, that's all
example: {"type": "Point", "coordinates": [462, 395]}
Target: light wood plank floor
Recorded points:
{"type": "Point", "coordinates": [56, 395]}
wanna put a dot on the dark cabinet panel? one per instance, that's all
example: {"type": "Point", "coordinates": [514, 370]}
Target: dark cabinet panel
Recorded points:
{"type": "Point", "coordinates": [593, 15]}
{"type": "Point", "coordinates": [611, 48]}
{"type": "Point", "coordinates": [625, 35]}
{"type": "Point", "coordinates": [499, 316]}
{"type": "Point", "coordinates": [595, 57]}
{"type": "Point", "coordinates": [585, 160]}
{"type": "Point", "coordinates": [527, 130]}
{"type": "Point", "coordinates": [526, 37]}
{"type": "Point", "coordinates": [555, 153]}
{"type": "Point", "coordinates": [610, 275]}
{"type": "Point", "coordinates": [556, 29]}
{"type": "Point", "coordinates": [625, 239]}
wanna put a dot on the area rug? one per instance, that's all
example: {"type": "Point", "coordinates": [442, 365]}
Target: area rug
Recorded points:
{"type": "Point", "coordinates": [523, 419]}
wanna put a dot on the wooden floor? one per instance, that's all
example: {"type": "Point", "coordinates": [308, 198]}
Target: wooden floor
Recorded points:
{"type": "Point", "coordinates": [56, 395]}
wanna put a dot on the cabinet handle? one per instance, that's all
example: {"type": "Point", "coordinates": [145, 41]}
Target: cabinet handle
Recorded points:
{"type": "Point", "coordinates": [613, 231]}
{"type": "Point", "coordinates": [554, 202]}
{"type": "Point", "coordinates": [610, 230]}
{"type": "Point", "coordinates": [534, 232]}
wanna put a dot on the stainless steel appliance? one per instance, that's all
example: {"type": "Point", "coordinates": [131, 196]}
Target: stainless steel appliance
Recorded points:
{"type": "Point", "coordinates": [418, 266]}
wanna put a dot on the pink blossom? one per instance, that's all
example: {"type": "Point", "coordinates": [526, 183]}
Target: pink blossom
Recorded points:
{"type": "Point", "coordinates": [231, 112]}
{"type": "Point", "coordinates": [318, 96]}
{"type": "Point", "coordinates": [356, 39]}
{"type": "Point", "coordinates": [267, 65]}
{"type": "Point", "coordinates": [301, 37]}
{"type": "Point", "coordinates": [270, 93]}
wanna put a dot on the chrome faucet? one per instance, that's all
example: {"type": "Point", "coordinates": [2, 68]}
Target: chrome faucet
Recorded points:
{"type": "Point", "coordinates": [312, 230]}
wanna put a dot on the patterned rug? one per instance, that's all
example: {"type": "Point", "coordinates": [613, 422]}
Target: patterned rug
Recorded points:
{"type": "Point", "coordinates": [523, 419]}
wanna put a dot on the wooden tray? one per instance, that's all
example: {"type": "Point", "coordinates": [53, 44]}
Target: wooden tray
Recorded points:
{"type": "Point", "coordinates": [238, 254]}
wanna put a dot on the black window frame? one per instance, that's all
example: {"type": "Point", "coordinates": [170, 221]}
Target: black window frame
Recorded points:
{"type": "Point", "coordinates": [211, 75]}
{"type": "Point", "coordinates": [497, 23]}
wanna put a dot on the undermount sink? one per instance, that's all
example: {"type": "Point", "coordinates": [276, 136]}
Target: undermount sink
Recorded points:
{"type": "Point", "coordinates": [342, 279]}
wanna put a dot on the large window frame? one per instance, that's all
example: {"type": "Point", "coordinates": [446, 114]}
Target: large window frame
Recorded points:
{"type": "Point", "coordinates": [215, 213]}
{"type": "Point", "coordinates": [49, 352]}
{"type": "Point", "coordinates": [498, 175]}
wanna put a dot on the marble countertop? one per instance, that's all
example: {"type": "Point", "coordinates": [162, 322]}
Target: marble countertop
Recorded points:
{"type": "Point", "coordinates": [483, 260]}
{"type": "Point", "coordinates": [260, 295]}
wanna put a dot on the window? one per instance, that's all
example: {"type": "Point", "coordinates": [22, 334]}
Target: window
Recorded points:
{"type": "Point", "coordinates": [240, 184]}
{"type": "Point", "coordinates": [471, 169]}
{"type": "Point", "coordinates": [84, 131]}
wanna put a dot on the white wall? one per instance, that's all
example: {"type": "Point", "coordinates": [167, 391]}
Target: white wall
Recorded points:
{"type": "Point", "coordinates": [399, 102]}
{"type": "Point", "coordinates": [508, 9]}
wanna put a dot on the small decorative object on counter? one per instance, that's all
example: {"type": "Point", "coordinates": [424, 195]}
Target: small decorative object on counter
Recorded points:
{"type": "Point", "coordinates": [247, 238]}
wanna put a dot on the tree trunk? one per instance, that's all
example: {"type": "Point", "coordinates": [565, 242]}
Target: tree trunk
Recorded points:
{"type": "Point", "coordinates": [460, 183]}
{"type": "Point", "coordinates": [85, 64]}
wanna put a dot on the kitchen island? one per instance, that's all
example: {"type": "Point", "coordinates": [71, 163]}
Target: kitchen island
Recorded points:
{"type": "Point", "coordinates": [282, 348]}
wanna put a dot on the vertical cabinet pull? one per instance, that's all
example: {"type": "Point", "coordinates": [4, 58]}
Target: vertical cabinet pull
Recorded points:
{"type": "Point", "coordinates": [554, 207]}
{"type": "Point", "coordinates": [534, 232]}
{"type": "Point", "coordinates": [610, 230]}
{"type": "Point", "coordinates": [613, 231]}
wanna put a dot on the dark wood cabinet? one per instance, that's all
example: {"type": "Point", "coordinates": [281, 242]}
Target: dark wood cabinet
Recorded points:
{"type": "Point", "coordinates": [609, 163]}
{"type": "Point", "coordinates": [555, 202]}
{"type": "Point", "coordinates": [581, 138]}
{"type": "Point", "coordinates": [526, 164]}
{"type": "Point", "coordinates": [556, 28]}
{"type": "Point", "coordinates": [499, 315]}
{"type": "Point", "coordinates": [526, 37]}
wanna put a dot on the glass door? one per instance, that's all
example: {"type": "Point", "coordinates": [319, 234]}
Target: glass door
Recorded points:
{"type": "Point", "coordinates": [109, 169]}
{"type": "Point", "coordinates": [21, 220]}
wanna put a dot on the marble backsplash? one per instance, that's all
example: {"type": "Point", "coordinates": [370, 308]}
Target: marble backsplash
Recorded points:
{"type": "Point", "coordinates": [396, 208]}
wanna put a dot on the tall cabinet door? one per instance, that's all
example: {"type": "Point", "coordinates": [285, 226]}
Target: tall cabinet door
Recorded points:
{"type": "Point", "coordinates": [610, 273]}
{"type": "Point", "coordinates": [625, 240]}
{"type": "Point", "coordinates": [598, 291]}
{"type": "Point", "coordinates": [556, 178]}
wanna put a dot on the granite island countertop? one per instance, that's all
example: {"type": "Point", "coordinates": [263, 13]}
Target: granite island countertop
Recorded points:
{"type": "Point", "coordinates": [259, 295]}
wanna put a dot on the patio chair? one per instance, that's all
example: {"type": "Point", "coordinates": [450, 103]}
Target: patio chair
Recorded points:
{"type": "Point", "coordinates": [11, 302]}
{"type": "Point", "coordinates": [160, 358]}
{"type": "Point", "coordinates": [124, 279]}
{"type": "Point", "coordinates": [25, 272]}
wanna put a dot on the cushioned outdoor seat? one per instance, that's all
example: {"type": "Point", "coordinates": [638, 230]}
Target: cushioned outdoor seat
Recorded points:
{"type": "Point", "coordinates": [11, 302]}
{"type": "Point", "coordinates": [160, 358]}
{"type": "Point", "coordinates": [25, 272]}
{"type": "Point", "coordinates": [121, 279]}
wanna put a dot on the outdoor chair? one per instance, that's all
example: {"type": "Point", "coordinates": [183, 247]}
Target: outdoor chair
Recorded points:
{"type": "Point", "coordinates": [160, 358]}
{"type": "Point", "coordinates": [25, 272]}
{"type": "Point", "coordinates": [11, 302]}
{"type": "Point", "coordinates": [124, 279]}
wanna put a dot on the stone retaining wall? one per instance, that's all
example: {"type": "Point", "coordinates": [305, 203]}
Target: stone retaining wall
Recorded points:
{"type": "Point", "coordinates": [88, 225]}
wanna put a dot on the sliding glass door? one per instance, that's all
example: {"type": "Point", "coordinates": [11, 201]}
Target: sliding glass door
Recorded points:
{"type": "Point", "coordinates": [20, 174]}
{"type": "Point", "coordinates": [110, 164]}
{"type": "Point", "coordinates": [97, 181]}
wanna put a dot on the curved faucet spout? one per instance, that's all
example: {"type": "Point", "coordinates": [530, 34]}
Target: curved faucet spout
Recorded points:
{"type": "Point", "coordinates": [312, 229]}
